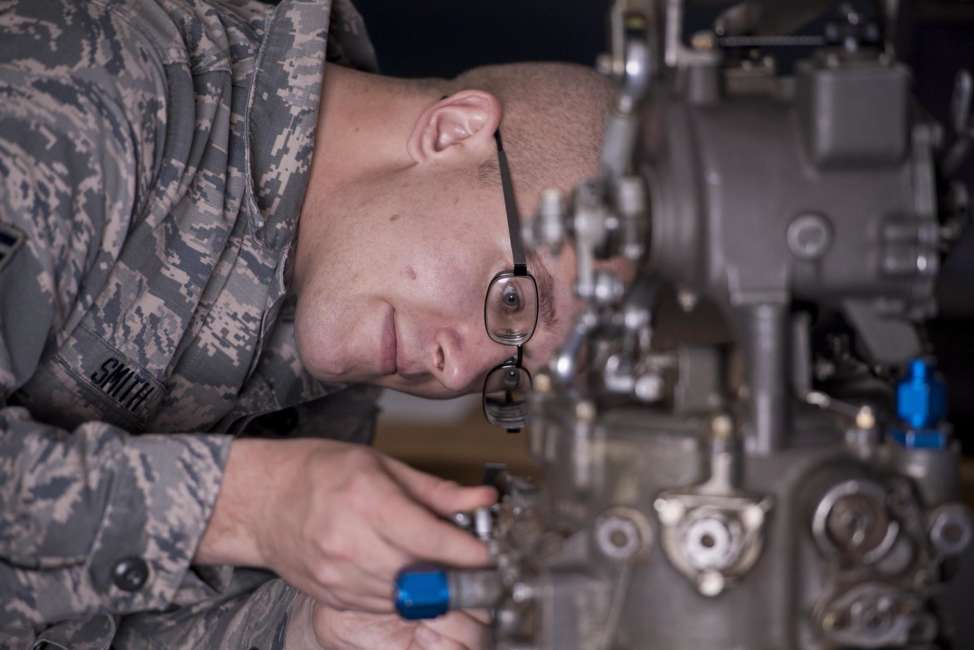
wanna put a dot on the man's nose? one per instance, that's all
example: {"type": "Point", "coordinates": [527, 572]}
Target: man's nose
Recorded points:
{"type": "Point", "coordinates": [461, 359]}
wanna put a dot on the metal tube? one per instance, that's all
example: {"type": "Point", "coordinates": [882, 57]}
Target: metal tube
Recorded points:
{"type": "Point", "coordinates": [475, 588]}
{"type": "Point", "coordinates": [767, 333]}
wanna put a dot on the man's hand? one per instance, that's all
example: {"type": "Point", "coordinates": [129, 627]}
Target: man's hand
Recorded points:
{"type": "Point", "coordinates": [336, 520]}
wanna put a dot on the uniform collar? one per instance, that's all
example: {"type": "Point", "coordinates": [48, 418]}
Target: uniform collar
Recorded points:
{"type": "Point", "coordinates": [282, 116]}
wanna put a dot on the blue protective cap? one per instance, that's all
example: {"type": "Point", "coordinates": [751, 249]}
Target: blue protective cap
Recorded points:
{"type": "Point", "coordinates": [921, 397]}
{"type": "Point", "coordinates": [422, 593]}
{"type": "Point", "coordinates": [921, 439]}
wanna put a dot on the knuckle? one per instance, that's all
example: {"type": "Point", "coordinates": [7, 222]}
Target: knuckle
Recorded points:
{"type": "Point", "coordinates": [324, 575]}
{"type": "Point", "coordinates": [343, 548]}
{"type": "Point", "coordinates": [359, 460]}
{"type": "Point", "coordinates": [324, 543]}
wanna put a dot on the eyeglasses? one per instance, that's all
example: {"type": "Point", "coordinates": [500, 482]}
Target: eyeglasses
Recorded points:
{"type": "Point", "coordinates": [510, 315]}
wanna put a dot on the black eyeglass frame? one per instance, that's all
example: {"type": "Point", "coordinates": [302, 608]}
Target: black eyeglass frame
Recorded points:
{"type": "Point", "coordinates": [520, 270]}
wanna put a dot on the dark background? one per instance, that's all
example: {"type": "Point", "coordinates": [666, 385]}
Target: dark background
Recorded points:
{"type": "Point", "coordinates": [444, 37]}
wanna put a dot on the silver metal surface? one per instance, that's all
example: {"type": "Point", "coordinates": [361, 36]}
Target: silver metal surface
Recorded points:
{"type": "Point", "coordinates": [739, 482]}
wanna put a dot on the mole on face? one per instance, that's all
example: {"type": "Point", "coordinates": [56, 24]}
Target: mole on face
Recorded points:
{"type": "Point", "coordinates": [394, 217]}
{"type": "Point", "coordinates": [409, 273]}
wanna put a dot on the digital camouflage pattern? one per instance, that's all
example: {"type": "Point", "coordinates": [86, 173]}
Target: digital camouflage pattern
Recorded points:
{"type": "Point", "coordinates": [154, 156]}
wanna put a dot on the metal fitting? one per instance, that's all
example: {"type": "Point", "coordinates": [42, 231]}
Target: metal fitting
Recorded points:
{"type": "Point", "coordinates": [809, 236]}
{"type": "Point", "coordinates": [851, 520]}
{"type": "Point", "coordinates": [951, 528]}
{"type": "Point", "coordinates": [622, 534]}
{"type": "Point", "coordinates": [711, 543]}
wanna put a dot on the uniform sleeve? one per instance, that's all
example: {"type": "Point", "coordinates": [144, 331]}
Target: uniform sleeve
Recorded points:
{"type": "Point", "coordinates": [92, 519]}
{"type": "Point", "coordinates": [259, 613]}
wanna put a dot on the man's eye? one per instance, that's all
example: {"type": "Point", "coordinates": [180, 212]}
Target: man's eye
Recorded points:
{"type": "Point", "coordinates": [511, 299]}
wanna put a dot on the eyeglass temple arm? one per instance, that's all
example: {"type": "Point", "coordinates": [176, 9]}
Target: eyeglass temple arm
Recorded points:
{"type": "Point", "coordinates": [513, 218]}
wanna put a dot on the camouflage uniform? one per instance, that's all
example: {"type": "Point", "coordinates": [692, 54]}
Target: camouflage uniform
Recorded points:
{"type": "Point", "coordinates": [154, 156]}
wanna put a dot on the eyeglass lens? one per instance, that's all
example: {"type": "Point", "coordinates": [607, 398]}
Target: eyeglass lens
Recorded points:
{"type": "Point", "coordinates": [511, 310]}
{"type": "Point", "coordinates": [505, 396]}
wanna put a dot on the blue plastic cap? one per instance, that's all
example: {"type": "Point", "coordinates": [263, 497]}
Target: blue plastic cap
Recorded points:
{"type": "Point", "coordinates": [921, 439]}
{"type": "Point", "coordinates": [921, 398]}
{"type": "Point", "coordinates": [422, 593]}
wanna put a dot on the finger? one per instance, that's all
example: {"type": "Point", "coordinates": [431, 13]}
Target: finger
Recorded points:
{"type": "Point", "coordinates": [416, 531]}
{"type": "Point", "coordinates": [442, 496]}
{"type": "Point", "coordinates": [429, 639]}
{"type": "Point", "coordinates": [461, 627]}
{"type": "Point", "coordinates": [482, 615]}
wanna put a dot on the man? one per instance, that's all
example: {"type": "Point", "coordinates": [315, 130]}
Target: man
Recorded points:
{"type": "Point", "coordinates": [207, 230]}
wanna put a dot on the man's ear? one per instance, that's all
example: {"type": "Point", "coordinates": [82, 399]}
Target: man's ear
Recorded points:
{"type": "Point", "coordinates": [456, 126]}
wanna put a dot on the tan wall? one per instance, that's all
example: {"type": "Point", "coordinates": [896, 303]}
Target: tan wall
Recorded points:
{"type": "Point", "coordinates": [457, 447]}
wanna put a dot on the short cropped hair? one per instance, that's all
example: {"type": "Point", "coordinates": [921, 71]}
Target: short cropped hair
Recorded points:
{"type": "Point", "coordinates": [553, 122]}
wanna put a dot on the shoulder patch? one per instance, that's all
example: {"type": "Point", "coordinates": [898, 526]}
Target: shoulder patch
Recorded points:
{"type": "Point", "coordinates": [11, 238]}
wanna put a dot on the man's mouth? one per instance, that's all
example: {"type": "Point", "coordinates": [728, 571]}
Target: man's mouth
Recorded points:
{"type": "Point", "coordinates": [390, 344]}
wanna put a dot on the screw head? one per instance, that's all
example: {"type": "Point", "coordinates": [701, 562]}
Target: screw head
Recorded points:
{"type": "Point", "coordinates": [687, 299]}
{"type": "Point", "coordinates": [670, 511]}
{"type": "Point", "coordinates": [522, 592]}
{"type": "Point", "coordinates": [618, 537]}
{"type": "Point", "coordinates": [753, 516]}
{"type": "Point", "coordinates": [722, 426]}
{"type": "Point", "coordinates": [710, 583]}
{"type": "Point", "coordinates": [809, 236]}
{"type": "Point", "coordinates": [865, 418]}
{"type": "Point", "coordinates": [649, 387]}
{"type": "Point", "coordinates": [585, 411]}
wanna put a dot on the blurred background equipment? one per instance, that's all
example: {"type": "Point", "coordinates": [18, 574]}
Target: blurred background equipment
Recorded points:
{"type": "Point", "coordinates": [935, 38]}
{"type": "Point", "coordinates": [780, 468]}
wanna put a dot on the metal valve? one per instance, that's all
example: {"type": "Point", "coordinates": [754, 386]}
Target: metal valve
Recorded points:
{"type": "Point", "coordinates": [427, 592]}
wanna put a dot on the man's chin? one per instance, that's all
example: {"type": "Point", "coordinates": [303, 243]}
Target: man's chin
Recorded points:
{"type": "Point", "coordinates": [396, 383]}
{"type": "Point", "coordinates": [341, 375]}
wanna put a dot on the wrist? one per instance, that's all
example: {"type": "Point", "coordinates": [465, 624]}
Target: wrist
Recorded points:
{"type": "Point", "coordinates": [232, 533]}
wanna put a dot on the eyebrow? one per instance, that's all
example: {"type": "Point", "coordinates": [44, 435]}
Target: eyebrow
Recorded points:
{"type": "Point", "coordinates": [546, 299]}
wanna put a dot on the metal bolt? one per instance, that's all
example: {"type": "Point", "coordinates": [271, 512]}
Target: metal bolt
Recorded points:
{"type": "Point", "coordinates": [618, 537]}
{"type": "Point", "coordinates": [608, 288]}
{"type": "Point", "coordinates": [865, 418]}
{"type": "Point", "coordinates": [483, 523]}
{"type": "Point", "coordinates": [753, 516]}
{"type": "Point", "coordinates": [506, 617]}
{"type": "Point", "coordinates": [722, 426]}
{"type": "Point", "coordinates": [522, 592]}
{"type": "Point", "coordinates": [809, 235]}
{"type": "Point", "coordinates": [710, 583]}
{"type": "Point", "coordinates": [951, 531]}
{"type": "Point", "coordinates": [709, 544]}
{"type": "Point", "coordinates": [670, 511]}
{"type": "Point", "coordinates": [631, 195]}
{"type": "Point", "coordinates": [635, 317]}
{"type": "Point", "coordinates": [687, 299]}
{"type": "Point", "coordinates": [829, 621]}
{"type": "Point", "coordinates": [585, 411]}
{"type": "Point", "coordinates": [649, 388]}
